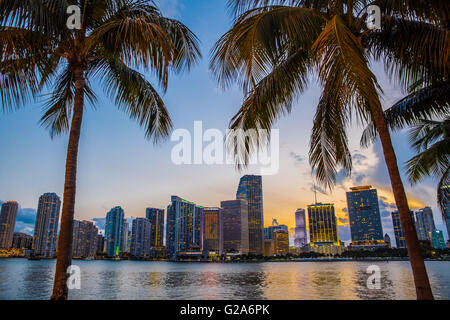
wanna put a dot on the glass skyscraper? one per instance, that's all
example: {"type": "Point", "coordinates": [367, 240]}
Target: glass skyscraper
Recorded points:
{"type": "Point", "coordinates": [141, 238]}
{"type": "Point", "coordinates": [46, 226]}
{"type": "Point", "coordinates": [156, 217]}
{"type": "Point", "coordinates": [234, 227]}
{"type": "Point", "coordinates": [114, 231]}
{"type": "Point", "coordinates": [211, 229]}
{"type": "Point", "coordinates": [250, 190]}
{"type": "Point", "coordinates": [8, 217]}
{"type": "Point", "coordinates": [425, 223]}
{"type": "Point", "coordinates": [437, 239]}
{"type": "Point", "coordinates": [85, 235]}
{"type": "Point", "coordinates": [323, 231]}
{"type": "Point", "coordinates": [364, 216]}
{"type": "Point", "coordinates": [301, 236]}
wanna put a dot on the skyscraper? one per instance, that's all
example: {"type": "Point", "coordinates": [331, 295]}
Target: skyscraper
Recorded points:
{"type": "Point", "coordinates": [269, 231]}
{"type": "Point", "coordinates": [183, 226]}
{"type": "Point", "coordinates": [425, 223]}
{"type": "Point", "coordinates": [301, 236]}
{"type": "Point", "coordinates": [437, 239]}
{"type": "Point", "coordinates": [387, 240]}
{"type": "Point", "coordinates": [46, 227]}
{"type": "Point", "coordinates": [84, 239]}
{"type": "Point", "coordinates": [156, 217]}
{"type": "Point", "coordinates": [234, 227]}
{"type": "Point", "coordinates": [8, 217]}
{"type": "Point", "coordinates": [250, 190]}
{"type": "Point", "coordinates": [141, 238]}
{"type": "Point", "coordinates": [22, 241]}
{"type": "Point", "coordinates": [281, 242]}
{"type": "Point", "coordinates": [114, 231]}
{"type": "Point", "coordinates": [398, 231]}
{"type": "Point", "coordinates": [364, 216]}
{"type": "Point", "coordinates": [211, 229]}
{"type": "Point", "coordinates": [125, 235]}
{"type": "Point", "coordinates": [323, 230]}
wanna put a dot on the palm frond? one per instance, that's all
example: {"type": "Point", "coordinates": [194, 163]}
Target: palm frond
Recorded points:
{"type": "Point", "coordinates": [443, 191]}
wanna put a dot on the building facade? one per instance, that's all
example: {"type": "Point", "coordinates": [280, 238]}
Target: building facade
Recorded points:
{"type": "Point", "coordinates": [234, 227]}
{"type": "Point", "coordinates": [211, 229]}
{"type": "Point", "coordinates": [398, 231]}
{"type": "Point", "coordinates": [323, 231]}
{"type": "Point", "coordinates": [22, 241]}
{"type": "Point", "coordinates": [8, 215]}
{"type": "Point", "coordinates": [85, 235]}
{"type": "Point", "coordinates": [437, 239]}
{"type": "Point", "coordinates": [300, 235]}
{"type": "Point", "coordinates": [114, 232]}
{"type": "Point", "coordinates": [250, 190]}
{"type": "Point", "coordinates": [269, 231]}
{"type": "Point", "coordinates": [281, 242]}
{"type": "Point", "coordinates": [141, 238]}
{"type": "Point", "coordinates": [156, 217]}
{"type": "Point", "coordinates": [46, 226]}
{"type": "Point", "coordinates": [425, 224]}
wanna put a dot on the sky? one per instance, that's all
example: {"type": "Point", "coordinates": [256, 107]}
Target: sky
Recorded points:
{"type": "Point", "coordinates": [118, 166]}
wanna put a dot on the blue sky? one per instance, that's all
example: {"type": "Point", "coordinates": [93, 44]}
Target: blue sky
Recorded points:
{"type": "Point", "coordinates": [117, 166]}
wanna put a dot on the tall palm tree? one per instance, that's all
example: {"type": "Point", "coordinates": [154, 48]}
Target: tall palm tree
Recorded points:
{"type": "Point", "coordinates": [275, 45]}
{"type": "Point", "coordinates": [39, 51]}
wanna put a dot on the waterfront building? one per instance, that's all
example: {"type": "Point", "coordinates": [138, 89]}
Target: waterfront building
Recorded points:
{"type": "Point", "coordinates": [183, 226]}
{"type": "Point", "coordinates": [300, 235]}
{"type": "Point", "coordinates": [46, 226]}
{"type": "Point", "coordinates": [269, 247]}
{"type": "Point", "coordinates": [398, 231]}
{"type": "Point", "coordinates": [234, 224]}
{"type": "Point", "coordinates": [141, 238]}
{"type": "Point", "coordinates": [364, 217]}
{"type": "Point", "coordinates": [8, 215]}
{"type": "Point", "coordinates": [250, 190]}
{"type": "Point", "coordinates": [425, 224]}
{"type": "Point", "coordinates": [437, 239]}
{"type": "Point", "coordinates": [387, 240]}
{"type": "Point", "coordinates": [269, 231]}
{"type": "Point", "coordinates": [22, 241]}
{"type": "Point", "coordinates": [114, 227]}
{"type": "Point", "coordinates": [156, 217]}
{"type": "Point", "coordinates": [281, 242]}
{"type": "Point", "coordinates": [100, 244]}
{"type": "Point", "coordinates": [126, 237]}
{"type": "Point", "coordinates": [323, 230]}
{"type": "Point", "coordinates": [210, 227]}
{"type": "Point", "coordinates": [85, 235]}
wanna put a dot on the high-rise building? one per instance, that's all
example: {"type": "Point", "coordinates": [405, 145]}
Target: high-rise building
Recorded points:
{"type": "Point", "coordinates": [22, 241]}
{"type": "Point", "coordinates": [364, 217]}
{"type": "Point", "coordinates": [234, 227]}
{"type": "Point", "coordinates": [425, 223]}
{"type": "Point", "coordinates": [183, 226]}
{"type": "Point", "coordinates": [46, 226]}
{"type": "Point", "coordinates": [85, 235]}
{"type": "Point", "coordinates": [323, 230]}
{"type": "Point", "coordinates": [114, 231]}
{"type": "Point", "coordinates": [210, 226]}
{"type": "Point", "coordinates": [8, 217]}
{"type": "Point", "coordinates": [250, 190]}
{"type": "Point", "coordinates": [141, 238]}
{"type": "Point", "coordinates": [437, 239]}
{"type": "Point", "coordinates": [387, 240]}
{"type": "Point", "coordinates": [125, 236]}
{"type": "Point", "coordinates": [300, 236]}
{"type": "Point", "coordinates": [281, 242]}
{"type": "Point", "coordinates": [269, 231]}
{"type": "Point", "coordinates": [398, 231]}
{"type": "Point", "coordinates": [269, 248]}
{"type": "Point", "coordinates": [156, 217]}
{"type": "Point", "coordinates": [100, 244]}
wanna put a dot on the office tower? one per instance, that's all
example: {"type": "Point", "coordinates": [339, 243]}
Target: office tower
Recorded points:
{"type": "Point", "coordinates": [398, 231]}
{"type": "Point", "coordinates": [183, 226]}
{"type": "Point", "coordinates": [8, 217]}
{"type": "Point", "coordinates": [281, 242]}
{"type": "Point", "coordinates": [100, 244]}
{"type": "Point", "coordinates": [364, 216]}
{"type": "Point", "coordinates": [269, 248]}
{"type": "Point", "coordinates": [437, 239]}
{"type": "Point", "coordinates": [250, 190]}
{"type": "Point", "coordinates": [323, 230]}
{"type": "Point", "coordinates": [156, 217]}
{"type": "Point", "coordinates": [387, 240]}
{"type": "Point", "coordinates": [22, 241]}
{"type": "Point", "coordinates": [210, 227]}
{"type": "Point", "coordinates": [234, 227]}
{"type": "Point", "coordinates": [300, 236]}
{"type": "Point", "coordinates": [141, 238]}
{"type": "Point", "coordinates": [85, 235]}
{"type": "Point", "coordinates": [425, 223]}
{"type": "Point", "coordinates": [268, 232]}
{"type": "Point", "coordinates": [114, 231]}
{"type": "Point", "coordinates": [125, 235]}
{"type": "Point", "coordinates": [46, 227]}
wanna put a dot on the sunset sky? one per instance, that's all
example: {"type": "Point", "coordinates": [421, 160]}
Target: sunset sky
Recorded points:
{"type": "Point", "coordinates": [117, 166]}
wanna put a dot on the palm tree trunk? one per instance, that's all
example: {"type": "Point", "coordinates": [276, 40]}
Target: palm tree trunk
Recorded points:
{"type": "Point", "coordinates": [64, 257]}
{"type": "Point", "coordinates": [422, 283]}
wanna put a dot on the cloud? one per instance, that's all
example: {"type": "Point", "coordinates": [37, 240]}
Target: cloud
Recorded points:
{"type": "Point", "coordinates": [298, 159]}
{"type": "Point", "coordinates": [25, 220]}
{"type": "Point", "coordinates": [100, 223]}
{"type": "Point", "coordinates": [314, 187]}
{"type": "Point", "coordinates": [170, 8]}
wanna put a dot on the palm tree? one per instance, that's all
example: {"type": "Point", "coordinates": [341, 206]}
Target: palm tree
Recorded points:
{"type": "Point", "coordinates": [275, 45]}
{"type": "Point", "coordinates": [39, 51]}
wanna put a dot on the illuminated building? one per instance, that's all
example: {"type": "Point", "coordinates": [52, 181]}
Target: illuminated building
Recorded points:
{"type": "Point", "coordinates": [22, 241]}
{"type": "Point", "coordinates": [269, 247]}
{"type": "Point", "coordinates": [300, 236]}
{"type": "Point", "coordinates": [126, 237]}
{"type": "Point", "coordinates": [183, 226]}
{"type": "Point", "coordinates": [211, 229]}
{"type": "Point", "coordinates": [268, 232]}
{"type": "Point", "coordinates": [141, 238]}
{"type": "Point", "coordinates": [114, 232]}
{"type": "Point", "coordinates": [437, 239]}
{"type": "Point", "coordinates": [46, 226]}
{"type": "Point", "coordinates": [364, 217]}
{"type": "Point", "coordinates": [8, 217]}
{"type": "Point", "coordinates": [85, 235]}
{"type": "Point", "coordinates": [425, 224]}
{"type": "Point", "coordinates": [323, 230]}
{"type": "Point", "coordinates": [250, 190]}
{"type": "Point", "coordinates": [281, 242]}
{"type": "Point", "coordinates": [398, 231]}
{"type": "Point", "coordinates": [156, 217]}
{"type": "Point", "coordinates": [234, 227]}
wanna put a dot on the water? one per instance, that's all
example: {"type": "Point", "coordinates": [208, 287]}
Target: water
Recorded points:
{"type": "Point", "coordinates": [109, 280]}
